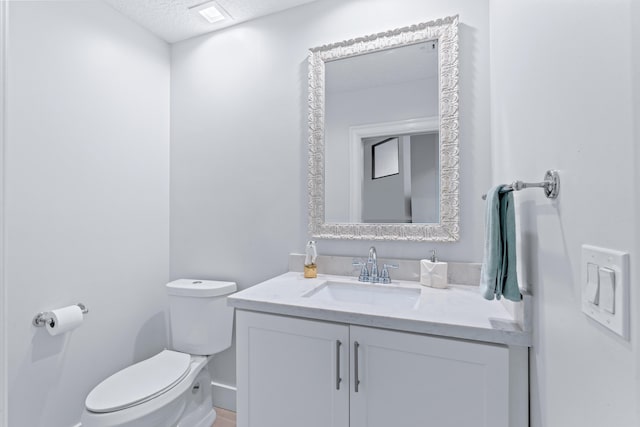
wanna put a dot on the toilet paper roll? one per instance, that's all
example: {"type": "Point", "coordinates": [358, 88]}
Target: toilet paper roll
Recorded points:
{"type": "Point", "coordinates": [64, 320]}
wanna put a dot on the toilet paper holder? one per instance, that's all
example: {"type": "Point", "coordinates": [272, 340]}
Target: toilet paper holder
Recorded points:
{"type": "Point", "coordinates": [41, 319]}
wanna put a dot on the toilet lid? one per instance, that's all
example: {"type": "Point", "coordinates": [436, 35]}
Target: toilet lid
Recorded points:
{"type": "Point", "coordinates": [139, 383]}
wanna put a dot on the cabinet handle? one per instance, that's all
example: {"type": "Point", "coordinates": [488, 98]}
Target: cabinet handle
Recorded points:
{"type": "Point", "coordinates": [356, 376]}
{"type": "Point", "coordinates": [338, 379]}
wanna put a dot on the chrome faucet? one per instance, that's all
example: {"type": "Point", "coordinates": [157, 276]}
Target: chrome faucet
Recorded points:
{"type": "Point", "coordinates": [371, 274]}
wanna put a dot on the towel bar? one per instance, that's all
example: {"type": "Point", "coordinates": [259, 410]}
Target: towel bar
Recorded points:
{"type": "Point", "coordinates": [550, 185]}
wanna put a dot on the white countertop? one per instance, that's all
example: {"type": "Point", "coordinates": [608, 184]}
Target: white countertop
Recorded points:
{"type": "Point", "coordinates": [458, 311]}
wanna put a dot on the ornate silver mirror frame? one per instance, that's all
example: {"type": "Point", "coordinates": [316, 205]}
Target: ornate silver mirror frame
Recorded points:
{"type": "Point", "coordinates": [447, 229]}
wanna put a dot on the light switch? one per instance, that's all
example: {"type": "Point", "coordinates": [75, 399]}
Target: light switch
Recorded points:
{"type": "Point", "coordinates": [607, 289]}
{"type": "Point", "coordinates": [593, 283]}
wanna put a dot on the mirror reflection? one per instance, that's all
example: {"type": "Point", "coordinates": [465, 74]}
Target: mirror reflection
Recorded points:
{"type": "Point", "coordinates": [381, 136]}
{"type": "Point", "coordinates": [411, 193]}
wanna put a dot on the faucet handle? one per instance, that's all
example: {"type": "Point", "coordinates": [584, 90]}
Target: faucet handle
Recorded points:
{"type": "Point", "coordinates": [358, 263]}
{"type": "Point", "coordinates": [384, 276]}
{"type": "Point", "coordinates": [364, 273]}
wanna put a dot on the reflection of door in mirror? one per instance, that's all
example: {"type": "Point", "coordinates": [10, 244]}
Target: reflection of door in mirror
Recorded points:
{"type": "Point", "coordinates": [411, 194]}
{"type": "Point", "coordinates": [383, 183]}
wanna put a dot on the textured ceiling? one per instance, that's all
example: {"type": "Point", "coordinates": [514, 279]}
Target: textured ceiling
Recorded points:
{"type": "Point", "coordinates": [172, 20]}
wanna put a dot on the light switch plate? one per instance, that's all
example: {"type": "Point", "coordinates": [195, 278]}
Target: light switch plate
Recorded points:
{"type": "Point", "coordinates": [618, 262]}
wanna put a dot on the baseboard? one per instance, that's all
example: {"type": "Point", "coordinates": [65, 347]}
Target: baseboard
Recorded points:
{"type": "Point", "coordinates": [224, 396]}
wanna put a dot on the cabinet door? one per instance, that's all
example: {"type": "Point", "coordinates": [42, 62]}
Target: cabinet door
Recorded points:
{"type": "Point", "coordinates": [291, 372]}
{"type": "Point", "coordinates": [408, 380]}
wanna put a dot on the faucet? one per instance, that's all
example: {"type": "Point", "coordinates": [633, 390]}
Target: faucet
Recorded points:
{"type": "Point", "coordinates": [371, 275]}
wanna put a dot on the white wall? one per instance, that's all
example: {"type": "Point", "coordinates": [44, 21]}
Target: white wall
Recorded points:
{"type": "Point", "coordinates": [635, 52]}
{"type": "Point", "coordinates": [635, 258]}
{"type": "Point", "coordinates": [239, 139]}
{"type": "Point", "coordinates": [3, 300]}
{"type": "Point", "coordinates": [87, 213]}
{"type": "Point", "coordinates": [562, 99]}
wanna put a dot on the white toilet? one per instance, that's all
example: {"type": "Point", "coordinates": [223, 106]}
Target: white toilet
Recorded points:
{"type": "Point", "coordinates": [172, 388]}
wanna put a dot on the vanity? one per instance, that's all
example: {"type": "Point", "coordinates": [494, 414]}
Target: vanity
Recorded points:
{"type": "Point", "coordinates": [333, 351]}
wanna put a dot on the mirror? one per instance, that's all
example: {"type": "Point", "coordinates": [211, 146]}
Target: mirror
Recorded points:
{"type": "Point", "coordinates": [383, 135]}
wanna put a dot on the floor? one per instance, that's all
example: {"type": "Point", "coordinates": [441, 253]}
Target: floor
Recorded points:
{"type": "Point", "coordinates": [225, 418]}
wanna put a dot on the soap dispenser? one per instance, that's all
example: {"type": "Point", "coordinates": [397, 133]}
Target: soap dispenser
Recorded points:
{"type": "Point", "coordinates": [433, 272]}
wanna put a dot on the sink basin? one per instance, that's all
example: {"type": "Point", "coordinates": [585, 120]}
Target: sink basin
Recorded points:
{"type": "Point", "coordinates": [389, 296]}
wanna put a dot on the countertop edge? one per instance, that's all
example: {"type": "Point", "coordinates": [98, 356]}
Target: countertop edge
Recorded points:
{"type": "Point", "coordinates": [497, 336]}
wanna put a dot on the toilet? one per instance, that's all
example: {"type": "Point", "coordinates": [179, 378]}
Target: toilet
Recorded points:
{"type": "Point", "coordinates": [172, 388]}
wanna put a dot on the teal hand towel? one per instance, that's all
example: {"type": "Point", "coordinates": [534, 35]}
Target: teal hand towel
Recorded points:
{"type": "Point", "coordinates": [492, 261]}
{"type": "Point", "coordinates": [499, 276]}
{"type": "Point", "coordinates": [509, 279]}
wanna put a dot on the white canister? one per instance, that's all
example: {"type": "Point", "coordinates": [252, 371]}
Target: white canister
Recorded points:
{"type": "Point", "coordinates": [433, 272]}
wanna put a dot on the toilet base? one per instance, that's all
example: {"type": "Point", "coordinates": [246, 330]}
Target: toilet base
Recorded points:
{"type": "Point", "coordinates": [199, 410]}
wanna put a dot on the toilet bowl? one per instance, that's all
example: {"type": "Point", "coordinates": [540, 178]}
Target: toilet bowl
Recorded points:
{"type": "Point", "coordinates": [172, 388]}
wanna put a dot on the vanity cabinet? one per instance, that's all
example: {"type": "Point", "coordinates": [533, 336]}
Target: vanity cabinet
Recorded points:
{"type": "Point", "coordinates": [411, 380]}
{"type": "Point", "coordinates": [287, 372]}
{"type": "Point", "coordinates": [305, 373]}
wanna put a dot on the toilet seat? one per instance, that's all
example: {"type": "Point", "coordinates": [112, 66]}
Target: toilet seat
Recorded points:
{"type": "Point", "coordinates": [139, 383]}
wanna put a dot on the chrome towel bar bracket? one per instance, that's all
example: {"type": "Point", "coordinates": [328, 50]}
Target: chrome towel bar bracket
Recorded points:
{"type": "Point", "coordinates": [550, 185]}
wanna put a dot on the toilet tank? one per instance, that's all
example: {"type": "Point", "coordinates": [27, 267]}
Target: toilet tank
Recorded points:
{"type": "Point", "coordinates": [201, 322]}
